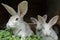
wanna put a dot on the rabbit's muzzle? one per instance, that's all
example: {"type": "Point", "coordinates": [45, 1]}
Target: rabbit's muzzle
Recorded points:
{"type": "Point", "coordinates": [10, 25]}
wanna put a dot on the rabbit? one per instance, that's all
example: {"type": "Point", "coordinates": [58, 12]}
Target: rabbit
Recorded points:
{"type": "Point", "coordinates": [38, 28]}
{"type": "Point", "coordinates": [47, 32]}
{"type": "Point", "coordinates": [18, 26]}
{"type": "Point", "coordinates": [35, 21]}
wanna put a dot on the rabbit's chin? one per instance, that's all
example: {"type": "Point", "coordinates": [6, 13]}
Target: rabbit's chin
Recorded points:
{"type": "Point", "coordinates": [10, 27]}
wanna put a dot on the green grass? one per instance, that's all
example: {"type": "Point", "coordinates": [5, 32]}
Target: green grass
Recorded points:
{"type": "Point", "coordinates": [7, 35]}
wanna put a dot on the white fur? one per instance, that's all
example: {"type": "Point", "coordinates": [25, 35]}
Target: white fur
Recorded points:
{"type": "Point", "coordinates": [47, 32]}
{"type": "Point", "coordinates": [19, 26]}
{"type": "Point", "coordinates": [38, 24]}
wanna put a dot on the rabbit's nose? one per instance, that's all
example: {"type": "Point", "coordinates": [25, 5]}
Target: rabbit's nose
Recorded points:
{"type": "Point", "coordinates": [10, 23]}
{"type": "Point", "coordinates": [7, 26]}
{"type": "Point", "coordinates": [47, 34]}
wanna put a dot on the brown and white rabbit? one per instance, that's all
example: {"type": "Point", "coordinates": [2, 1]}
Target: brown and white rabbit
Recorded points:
{"type": "Point", "coordinates": [20, 27]}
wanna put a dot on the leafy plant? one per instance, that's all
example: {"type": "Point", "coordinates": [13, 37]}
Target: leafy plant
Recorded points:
{"type": "Point", "coordinates": [7, 35]}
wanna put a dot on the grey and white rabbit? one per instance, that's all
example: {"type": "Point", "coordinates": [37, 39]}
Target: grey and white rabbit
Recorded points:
{"type": "Point", "coordinates": [38, 24]}
{"type": "Point", "coordinates": [47, 32]}
{"type": "Point", "coordinates": [20, 27]}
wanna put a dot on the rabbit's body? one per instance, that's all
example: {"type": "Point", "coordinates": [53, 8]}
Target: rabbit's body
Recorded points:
{"type": "Point", "coordinates": [45, 29]}
{"type": "Point", "coordinates": [24, 30]}
{"type": "Point", "coordinates": [20, 28]}
{"type": "Point", "coordinates": [52, 36]}
{"type": "Point", "coordinates": [47, 32]}
{"type": "Point", "coordinates": [16, 22]}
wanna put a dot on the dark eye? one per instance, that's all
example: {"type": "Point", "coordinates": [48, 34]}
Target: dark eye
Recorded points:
{"type": "Point", "coordinates": [39, 30]}
{"type": "Point", "coordinates": [16, 18]}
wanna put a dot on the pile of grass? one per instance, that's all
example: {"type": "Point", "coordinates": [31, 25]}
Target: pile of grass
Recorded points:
{"type": "Point", "coordinates": [7, 35]}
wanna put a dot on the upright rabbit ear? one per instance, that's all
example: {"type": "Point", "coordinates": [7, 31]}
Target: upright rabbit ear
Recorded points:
{"type": "Point", "coordinates": [41, 19]}
{"type": "Point", "coordinates": [34, 20]}
{"type": "Point", "coordinates": [22, 8]}
{"type": "Point", "coordinates": [9, 9]}
{"type": "Point", "coordinates": [53, 20]}
{"type": "Point", "coordinates": [45, 17]}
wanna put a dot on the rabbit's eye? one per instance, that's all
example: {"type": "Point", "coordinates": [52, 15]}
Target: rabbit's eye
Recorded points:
{"type": "Point", "coordinates": [16, 18]}
{"type": "Point", "coordinates": [39, 30]}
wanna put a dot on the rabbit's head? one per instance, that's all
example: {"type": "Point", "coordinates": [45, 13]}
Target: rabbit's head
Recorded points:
{"type": "Point", "coordinates": [35, 21]}
{"type": "Point", "coordinates": [47, 27]}
{"type": "Point", "coordinates": [16, 17]}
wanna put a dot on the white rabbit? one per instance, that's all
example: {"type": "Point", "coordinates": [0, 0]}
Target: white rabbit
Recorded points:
{"type": "Point", "coordinates": [47, 32]}
{"type": "Point", "coordinates": [38, 25]}
{"type": "Point", "coordinates": [20, 27]}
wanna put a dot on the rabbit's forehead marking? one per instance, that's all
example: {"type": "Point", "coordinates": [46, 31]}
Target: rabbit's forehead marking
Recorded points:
{"type": "Point", "coordinates": [46, 26]}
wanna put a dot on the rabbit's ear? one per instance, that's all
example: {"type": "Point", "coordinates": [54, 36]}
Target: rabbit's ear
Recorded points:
{"type": "Point", "coordinates": [53, 20]}
{"type": "Point", "coordinates": [41, 19]}
{"type": "Point", "coordinates": [34, 20]}
{"type": "Point", "coordinates": [9, 9]}
{"type": "Point", "coordinates": [22, 8]}
{"type": "Point", "coordinates": [45, 17]}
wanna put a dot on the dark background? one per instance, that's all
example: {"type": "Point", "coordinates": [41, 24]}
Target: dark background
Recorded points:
{"type": "Point", "coordinates": [36, 7]}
